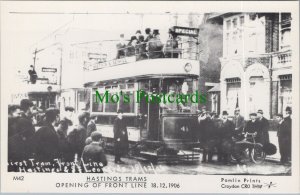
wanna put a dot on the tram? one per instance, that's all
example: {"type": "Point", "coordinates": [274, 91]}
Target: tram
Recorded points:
{"type": "Point", "coordinates": [155, 132]}
{"type": "Point", "coordinates": [43, 96]}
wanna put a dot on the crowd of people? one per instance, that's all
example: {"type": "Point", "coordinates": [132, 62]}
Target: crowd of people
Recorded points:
{"type": "Point", "coordinates": [62, 139]}
{"type": "Point", "coordinates": [69, 139]}
{"type": "Point", "coordinates": [222, 134]}
{"type": "Point", "coordinates": [150, 47]}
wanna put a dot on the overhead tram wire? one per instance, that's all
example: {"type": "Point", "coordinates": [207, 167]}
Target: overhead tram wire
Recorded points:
{"type": "Point", "coordinates": [105, 13]}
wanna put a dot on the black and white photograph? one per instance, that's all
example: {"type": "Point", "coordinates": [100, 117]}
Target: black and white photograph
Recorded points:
{"type": "Point", "coordinates": [109, 89]}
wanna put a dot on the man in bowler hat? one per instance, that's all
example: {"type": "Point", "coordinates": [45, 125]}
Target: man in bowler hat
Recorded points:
{"type": "Point", "coordinates": [285, 136]}
{"type": "Point", "coordinates": [226, 132]}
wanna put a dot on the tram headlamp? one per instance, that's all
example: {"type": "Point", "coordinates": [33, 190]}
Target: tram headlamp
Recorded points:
{"type": "Point", "coordinates": [188, 67]}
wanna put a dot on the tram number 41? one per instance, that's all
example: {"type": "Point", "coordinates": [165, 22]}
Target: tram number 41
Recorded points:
{"type": "Point", "coordinates": [165, 185]}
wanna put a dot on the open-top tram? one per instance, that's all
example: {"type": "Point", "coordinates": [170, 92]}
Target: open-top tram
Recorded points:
{"type": "Point", "coordinates": [156, 130]}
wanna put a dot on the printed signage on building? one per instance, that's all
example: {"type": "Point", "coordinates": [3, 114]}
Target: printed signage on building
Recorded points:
{"type": "Point", "coordinates": [49, 69]}
{"type": "Point", "coordinates": [186, 31]}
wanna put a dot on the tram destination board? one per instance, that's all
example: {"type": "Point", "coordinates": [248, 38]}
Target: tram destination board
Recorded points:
{"type": "Point", "coordinates": [191, 32]}
{"type": "Point", "coordinates": [133, 97]}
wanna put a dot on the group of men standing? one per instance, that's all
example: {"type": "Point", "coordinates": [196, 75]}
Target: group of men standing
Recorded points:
{"type": "Point", "coordinates": [221, 134]}
{"type": "Point", "coordinates": [64, 140]}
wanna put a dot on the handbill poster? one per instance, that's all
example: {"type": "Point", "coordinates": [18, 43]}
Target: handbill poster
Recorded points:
{"type": "Point", "coordinates": [150, 96]}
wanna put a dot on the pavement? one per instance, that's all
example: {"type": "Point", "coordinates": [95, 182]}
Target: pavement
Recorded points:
{"type": "Point", "coordinates": [135, 166]}
{"type": "Point", "coordinates": [271, 166]}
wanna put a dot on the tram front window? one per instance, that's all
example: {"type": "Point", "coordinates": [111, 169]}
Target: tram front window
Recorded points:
{"type": "Point", "coordinates": [179, 95]}
{"type": "Point", "coordinates": [179, 127]}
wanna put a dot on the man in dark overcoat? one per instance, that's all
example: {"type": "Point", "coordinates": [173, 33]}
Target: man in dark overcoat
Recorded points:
{"type": "Point", "coordinates": [263, 128]}
{"type": "Point", "coordinates": [24, 132]}
{"type": "Point", "coordinates": [226, 132]}
{"type": "Point", "coordinates": [208, 138]}
{"type": "Point", "coordinates": [46, 140]}
{"type": "Point", "coordinates": [285, 136]}
{"type": "Point", "coordinates": [120, 137]}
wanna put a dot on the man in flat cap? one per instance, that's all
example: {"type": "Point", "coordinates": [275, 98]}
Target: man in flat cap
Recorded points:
{"type": "Point", "coordinates": [263, 128]}
{"type": "Point", "coordinates": [94, 153]}
{"type": "Point", "coordinates": [252, 125]}
{"type": "Point", "coordinates": [120, 137]}
{"type": "Point", "coordinates": [239, 122]}
{"type": "Point", "coordinates": [46, 140]}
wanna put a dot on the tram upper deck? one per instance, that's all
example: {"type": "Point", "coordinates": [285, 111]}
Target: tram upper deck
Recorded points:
{"type": "Point", "coordinates": [149, 58]}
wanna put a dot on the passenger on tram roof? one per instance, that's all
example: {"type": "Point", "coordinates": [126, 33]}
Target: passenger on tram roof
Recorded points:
{"type": "Point", "coordinates": [155, 46]}
{"type": "Point", "coordinates": [148, 34]}
{"type": "Point", "coordinates": [121, 47]}
{"type": "Point", "coordinates": [141, 48]}
{"type": "Point", "coordinates": [171, 45]}
{"type": "Point", "coordinates": [138, 33]}
{"type": "Point", "coordinates": [131, 47]}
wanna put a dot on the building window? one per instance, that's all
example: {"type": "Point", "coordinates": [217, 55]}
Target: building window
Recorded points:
{"type": "Point", "coordinates": [242, 20]}
{"type": "Point", "coordinates": [234, 22]}
{"type": "Point", "coordinates": [285, 31]}
{"type": "Point", "coordinates": [252, 16]}
{"type": "Point", "coordinates": [228, 24]}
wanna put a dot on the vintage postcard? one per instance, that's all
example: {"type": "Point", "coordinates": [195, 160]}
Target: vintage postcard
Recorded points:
{"type": "Point", "coordinates": [150, 96]}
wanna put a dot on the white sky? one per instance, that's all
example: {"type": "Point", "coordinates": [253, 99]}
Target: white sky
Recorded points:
{"type": "Point", "coordinates": [22, 31]}
{"type": "Point", "coordinates": [19, 32]}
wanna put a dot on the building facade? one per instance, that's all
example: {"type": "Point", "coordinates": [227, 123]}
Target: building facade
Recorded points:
{"type": "Point", "coordinates": [256, 66]}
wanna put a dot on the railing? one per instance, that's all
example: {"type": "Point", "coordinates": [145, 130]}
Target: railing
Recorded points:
{"type": "Point", "coordinates": [277, 59]}
{"type": "Point", "coordinates": [284, 57]}
{"type": "Point", "coordinates": [141, 51]}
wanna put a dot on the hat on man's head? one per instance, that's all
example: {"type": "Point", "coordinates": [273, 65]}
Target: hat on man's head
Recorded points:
{"type": "Point", "coordinates": [138, 31]}
{"type": "Point", "coordinates": [253, 114]}
{"type": "Point", "coordinates": [288, 109]}
{"type": "Point", "coordinates": [133, 38]}
{"type": "Point", "coordinates": [147, 30]}
{"type": "Point", "coordinates": [224, 112]}
{"type": "Point", "coordinates": [12, 108]}
{"type": "Point", "coordinates": [260, 111]}
{"type": "Point", "coordinates": [141, 38]}
{"type": "Point", "coordinates": [156, 32]}
{"type": "Point", "coordinates": [96, 136]}
{"type": "Point", "coordinates": [69, 108]}
{"type": "Point", "coordinates": [83, 115]}
{"type": "Point", "coordinates": [25, 104]}
{"type": "Point", "coordinates": [122, 35]}
{"type": "Point", "coordinates": [51, 114]}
